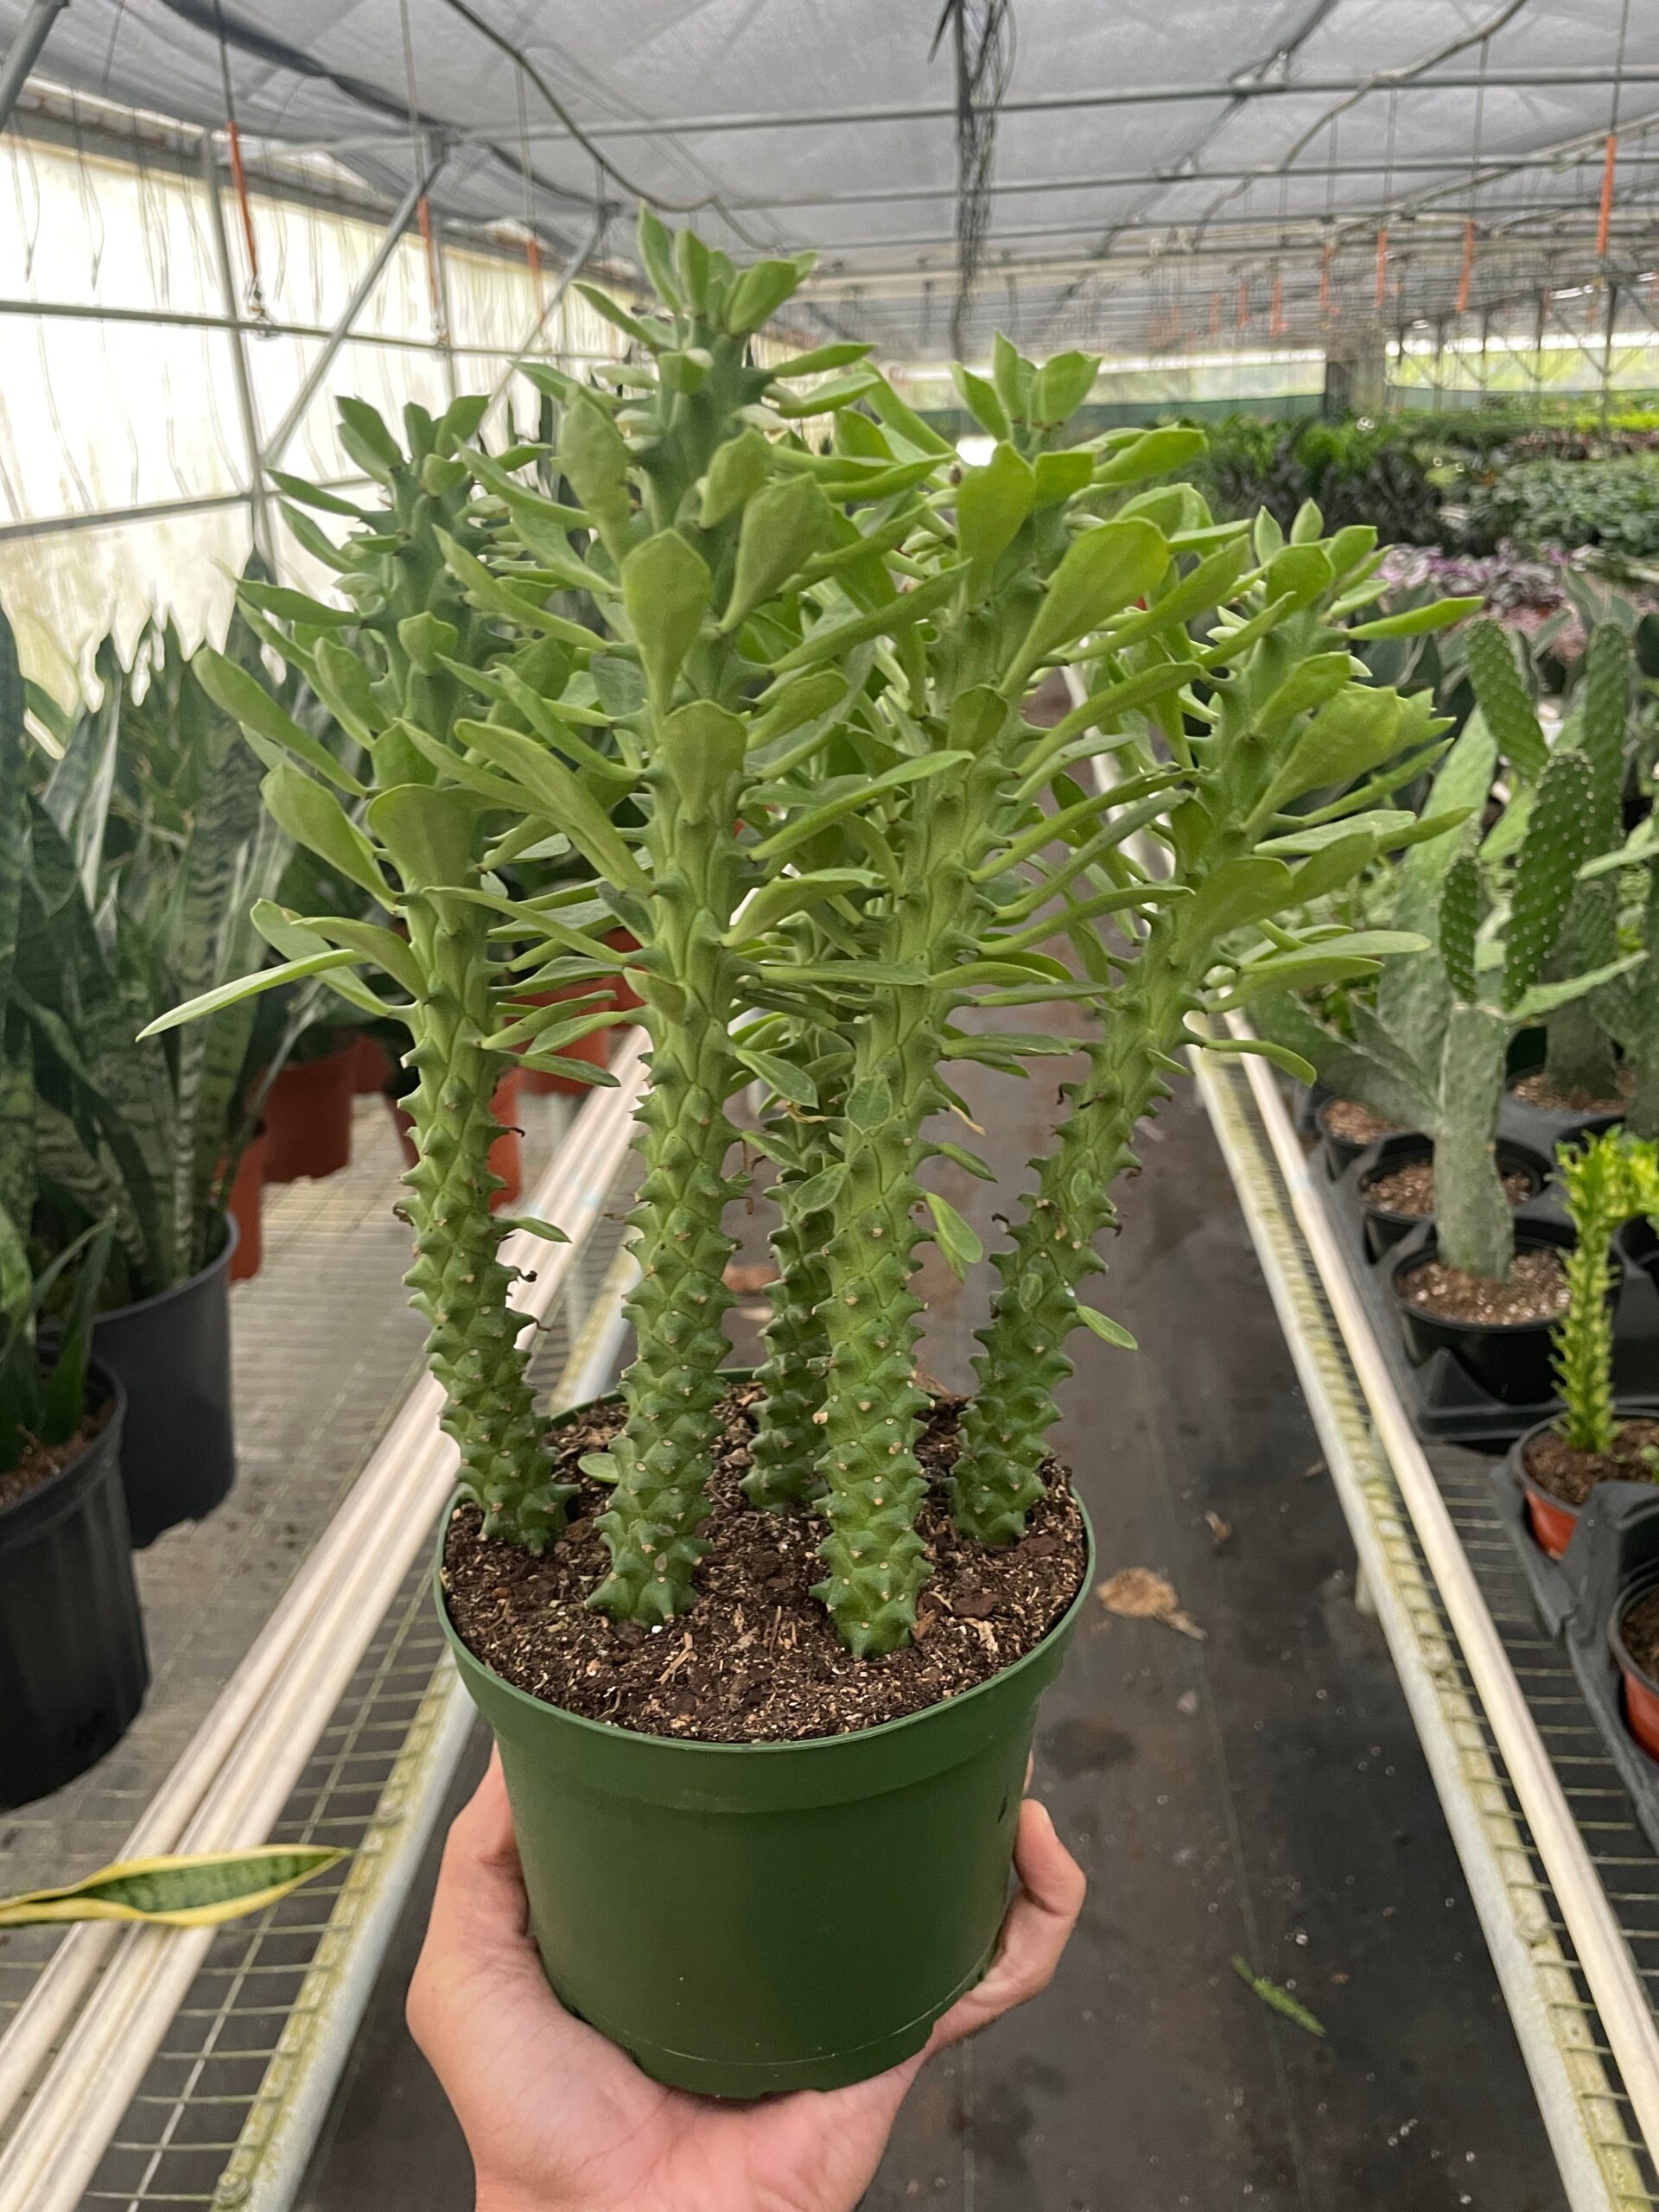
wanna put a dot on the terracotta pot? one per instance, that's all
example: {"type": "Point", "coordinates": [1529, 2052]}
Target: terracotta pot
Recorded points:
{"type": "Point", "coordinates": [1641, 1691]}
{"type": "Point", "coordinates": [247, 1207]}
{"type": "Point", "coordinates": [369, 1066]}
{"type": "Point", "coordinates": [506, 1153]}
{"type": "Point", "coordinates": [309, 1118]}
{"type": "Point", "coordinates": [594, 1050]}
{"type": "Point", "coordinates": [625, 996]}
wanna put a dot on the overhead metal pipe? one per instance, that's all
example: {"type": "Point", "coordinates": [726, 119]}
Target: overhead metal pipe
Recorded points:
{"type": "Point", "coordinates": [25, 52]}
{"type": "Point", "coordinates": [311, 382]}
{"type": "Point", "coordinates": [1036, 103]}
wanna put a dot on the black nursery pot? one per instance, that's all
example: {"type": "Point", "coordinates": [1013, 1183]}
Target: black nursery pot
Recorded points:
{"type": "Point", "coordinates": [1340, 1152]}
{"type": "Point", "coordinates": [1383, 1229]}
{"type": "Point", "coordinates": [1511, 1359]}
{"type": "Point", "coordinates": [172, 1353]}
{"type": "Point", "coordinates": [74, 1670]}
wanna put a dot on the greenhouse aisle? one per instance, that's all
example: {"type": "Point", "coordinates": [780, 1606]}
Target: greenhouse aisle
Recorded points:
{"type": "Point", "coordinates": [1259, 1792]}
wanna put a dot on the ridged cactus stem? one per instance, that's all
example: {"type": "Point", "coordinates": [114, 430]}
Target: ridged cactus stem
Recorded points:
{"type": "Point", "coordinates": [1024, 1360]}
{"type": "Point", "coordinates": [873, 1483]}
{"type": "Point", "coordinates": [787, 1437]}
{"type": "Point", "coordinates": [1474, 1224]}
{"type": "Point", "coordinates": [674, 1386]}
{"type": "Point", "coordinates": [1583, 1348]}
{"type": "Point", "coordinates": [458, 1282]}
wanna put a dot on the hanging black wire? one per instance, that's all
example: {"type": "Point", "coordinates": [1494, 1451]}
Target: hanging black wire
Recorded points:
{"type": "Point", "coordinates": [983, 38]}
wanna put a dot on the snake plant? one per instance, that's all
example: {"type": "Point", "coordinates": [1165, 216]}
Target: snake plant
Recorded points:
{"type": "Point", "coordinates": [133, 841]}
{"type": "Point", "coordinates": [768, 686]}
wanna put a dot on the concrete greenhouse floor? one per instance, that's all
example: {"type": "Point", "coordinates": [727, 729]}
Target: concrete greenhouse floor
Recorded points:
{"type": "Point", "coordinates": [1260, 1793]}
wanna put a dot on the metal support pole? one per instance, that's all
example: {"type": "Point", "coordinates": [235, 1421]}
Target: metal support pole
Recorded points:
{"type": "Point", "coordinates": [572, 269]}
{"type": "Point", "coordinates": [25, 52]}
{"type": "Point", "coordinates": [1607, 347]}
{"type": "Point", "coordinates": [245, 405]}
{"type": "Point", "coordinates": [447, 343]}
{"type": "Point", "coordinates": [311, 384]}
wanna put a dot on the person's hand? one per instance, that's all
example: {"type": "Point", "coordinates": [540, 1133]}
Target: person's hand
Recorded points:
{"type": "Point", "coordinates": [558, 2119]}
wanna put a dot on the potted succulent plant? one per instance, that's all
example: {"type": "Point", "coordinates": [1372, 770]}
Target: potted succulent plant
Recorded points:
{"type": "Point", "coordinates": [1606, 1181]}
{"type": "Point", "coordinates": [73, 1665]}
{"type": "Point", "coordinates": [1596, 1044]}
{"type": "Point", "coordinates": [1431, 1054]}
{"type": "Point", "coordinates": [139, 840]}
{"type": "Point", "coordinates": [750, 1636]}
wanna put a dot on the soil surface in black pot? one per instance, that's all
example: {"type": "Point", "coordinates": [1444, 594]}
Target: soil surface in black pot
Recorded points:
{"type": "Point", "coordinates": [756, 1659]}
{"type": "Point", "coordinates": [1410, 1190]}
{"type": "Point", "coordinates": [40, 1462]}
{"type": "Point", "coordinates": [1356, 1124]}
{"type": "Point", "coordinates": [1536, 1290]}
{"type": "Point", "coordinates": [1569, 1474]}
{"type": "Point", "coordinates": [1639, 1632]}
{"type": "Point", "coordinates": [1536, 1090]}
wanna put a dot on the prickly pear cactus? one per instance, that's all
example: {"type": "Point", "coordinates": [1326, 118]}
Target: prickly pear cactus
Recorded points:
{"type": "Point", "coordinates": [1556, 845]}
{"type": "Point", "coordinates": [1505, 700]}
{"type": "Point", "coordinates": [1475, 1225]}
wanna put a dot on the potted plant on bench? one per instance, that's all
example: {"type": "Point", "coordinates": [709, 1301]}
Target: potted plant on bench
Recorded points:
{"type": "Point", "coordinates": [744, 1639]}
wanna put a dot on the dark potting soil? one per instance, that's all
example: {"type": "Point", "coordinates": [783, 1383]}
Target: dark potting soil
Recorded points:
{"type": "Point", "coordinates": [1409, 1191]}
{"type": "Point", "coordinates": [1537, 1089]}
{"type": "Point", "coordinates": [1356, 1124]}
{"type": "Point", "coordinates": [40, 1462]}
{"type": "Point", "coordinates": [1569, 1474]}
{"type": "Point", "coordinates": [756, 1658]}
{"type": "Point", "coordinates": [1640, 1629]}
{"type": "Point", "coordinates": [1536, 1290]}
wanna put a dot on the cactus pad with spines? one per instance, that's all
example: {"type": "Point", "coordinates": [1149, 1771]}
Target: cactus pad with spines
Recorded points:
{"type": "Point", "coordinates": [1504, 702]}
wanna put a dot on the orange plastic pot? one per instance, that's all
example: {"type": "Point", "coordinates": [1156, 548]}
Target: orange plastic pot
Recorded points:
{"type": "Point", "coordinates": [594, 1049]}
{"type": "Point", "coordinates": [309, 1118]}
{"type": "Point", "coordinates": [623, 993]}
{"type": "Point", "coordinates": [370, 1066]}
{"type": "Point", "coordinates": [247, 1208]}
{"type": "Point", "coordinates": [1640, 1692]}
{"type": "Point", "coordinates": [506, 1153]}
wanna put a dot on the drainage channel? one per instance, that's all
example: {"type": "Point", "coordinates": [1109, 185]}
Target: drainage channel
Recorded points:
{"type": "Point", "coordinates": [194, 2070]}
{"type": "Point", "coordinates": [1565, 1886]}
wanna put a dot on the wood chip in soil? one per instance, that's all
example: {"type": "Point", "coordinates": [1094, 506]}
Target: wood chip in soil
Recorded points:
{"type": "Point", "coordinates": [1537, 1290]}
{"type": "Point", "coordinates": [756, 1658]}
{"type": "Point", "coordinates": [1354, 1123]}
{"type": "Point", "coordinates": [1537, 1089]}
{"type": "Point", "coordinates": [1569, 1474]}
{"type": "Point", "coordinates": [1407, 1193]}
{"type": "Point", "coordinates": [41, 1461]}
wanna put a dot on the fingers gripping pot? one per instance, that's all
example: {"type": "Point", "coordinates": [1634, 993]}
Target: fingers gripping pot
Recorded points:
{"type": "Point", "coordinates": [743, 1918]}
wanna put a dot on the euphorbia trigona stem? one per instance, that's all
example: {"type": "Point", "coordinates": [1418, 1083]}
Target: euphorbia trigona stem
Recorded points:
{"type": "Point", "coordinates": [1024, 1359]}
{"type": "Point", "coordinates": [874, 1556]}
{"type": "Point", "coordinates": [458, 1283]}
{"type": "Point", "coordinates": [674, 1386]}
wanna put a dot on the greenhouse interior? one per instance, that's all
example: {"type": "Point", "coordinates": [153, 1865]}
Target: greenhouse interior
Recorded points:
{"type": "Point", "coordinates": [830, 1106]}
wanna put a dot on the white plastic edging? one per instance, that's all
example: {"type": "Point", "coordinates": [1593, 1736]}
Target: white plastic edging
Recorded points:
{"type": "Point", "coordinates": [1609, 1971]}
{"type": "Point", "coordinates": [231, 1784]}
{"type": "Point", "coordinates": [1514, 1947]}
{"type": "Point", "coordinates": [271, 2160]}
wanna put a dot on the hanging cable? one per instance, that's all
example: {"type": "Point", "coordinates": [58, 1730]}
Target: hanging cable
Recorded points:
{"type": "Point", "coordinates": [1382, 291]}
{"type": "Point", "coordinates": [1465, 274]}
{"type": "Point", "coordinates": [423, 206]}
{"type": "Point", "coordinates": [982, 33]}
{"type": "Point", "coordinates": [1605, 216]}
{"type": "Point", "coordinates": [257, 308]}
{"type": "Point", "coordinates": [533, 244]}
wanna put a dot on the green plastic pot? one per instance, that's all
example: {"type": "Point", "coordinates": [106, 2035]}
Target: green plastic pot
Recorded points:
{"type": "Point", "coordinates": [743, 1918]}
